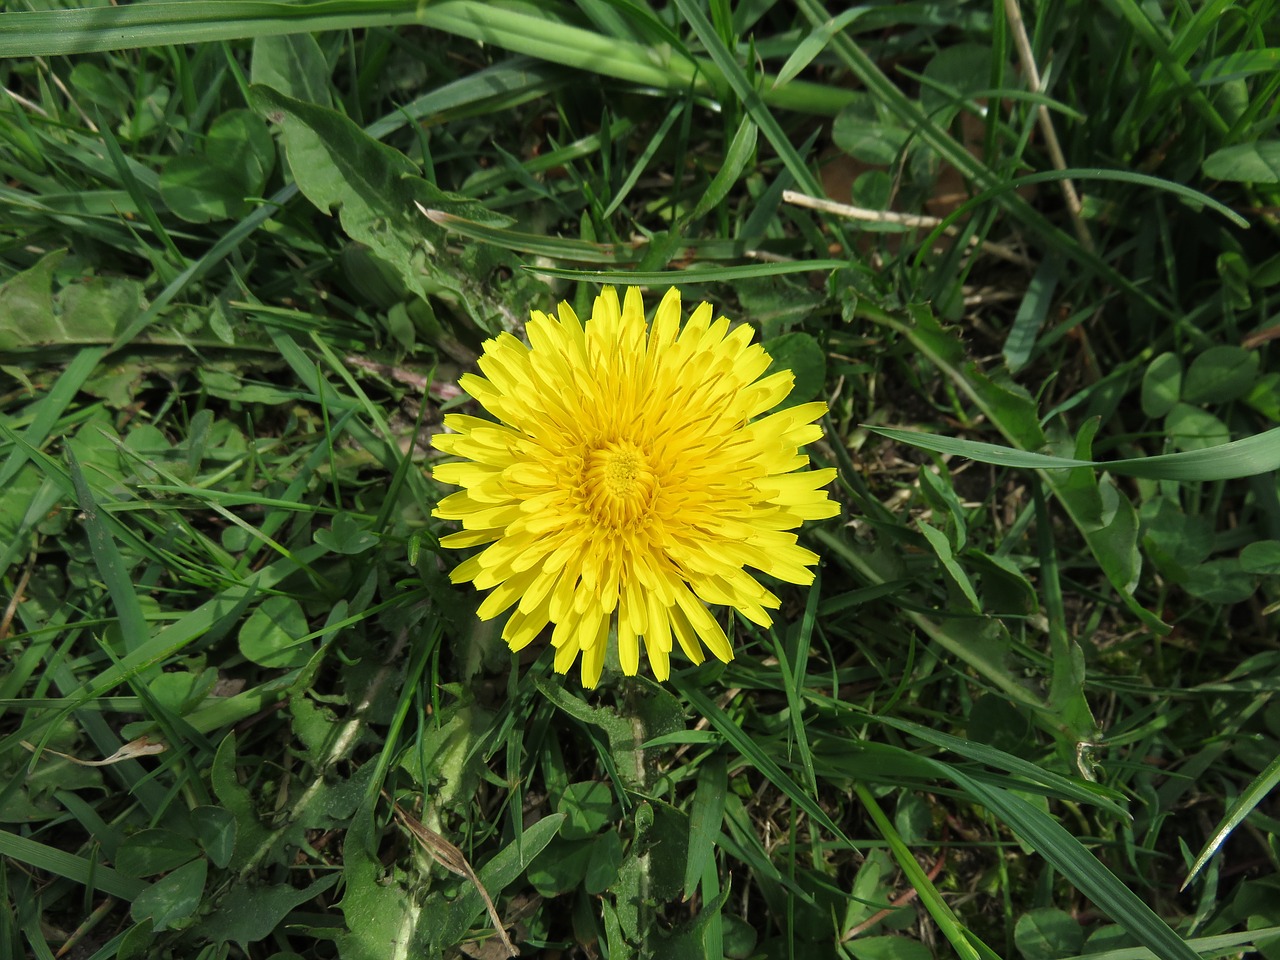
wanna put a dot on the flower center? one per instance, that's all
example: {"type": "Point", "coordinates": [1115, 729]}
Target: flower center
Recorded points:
{"type": "Point", "coordinates": [619, 484]}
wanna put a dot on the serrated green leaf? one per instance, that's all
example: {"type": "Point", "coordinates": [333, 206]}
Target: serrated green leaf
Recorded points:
{"type": "Point", "coordinates": [377, 192]}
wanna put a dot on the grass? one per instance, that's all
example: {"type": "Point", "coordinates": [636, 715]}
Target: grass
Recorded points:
{"type": "Point", "coordinates": [1026, 709]}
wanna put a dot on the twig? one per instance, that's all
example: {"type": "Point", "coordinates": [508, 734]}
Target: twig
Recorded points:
{"type": "Point", "coordinates": [901, 219]}
{"type": "Point", "coordinates": [1027, 59]}
{"type": "Point", "coordinates": [898, 902]}
{"type": "Point", "coordinates": [20, 591]}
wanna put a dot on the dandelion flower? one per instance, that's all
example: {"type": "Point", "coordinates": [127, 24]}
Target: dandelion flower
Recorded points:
{"type": "Point", "coordinates": [631, 478]}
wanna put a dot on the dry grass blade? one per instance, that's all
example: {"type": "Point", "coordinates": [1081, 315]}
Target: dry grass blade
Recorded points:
{"type": "Point", "coordinates": [142, 747]}
{"type": "Point", "coordinates": [1027, 58]}
{"type": "Point", "coordinates": [451, 858]}
{"type": "Point", "coordinates": [824, 205]}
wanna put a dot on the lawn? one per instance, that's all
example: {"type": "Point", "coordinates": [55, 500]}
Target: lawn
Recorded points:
{"type": "Point", "coordinates": [377, 584]}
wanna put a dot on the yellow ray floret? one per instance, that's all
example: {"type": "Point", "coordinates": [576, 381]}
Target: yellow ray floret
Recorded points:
{"type": "Point", "coordinates": [630, 480]}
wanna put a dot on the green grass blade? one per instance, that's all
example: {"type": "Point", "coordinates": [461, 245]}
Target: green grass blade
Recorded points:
{"type": "Point", "coordinates": [751, 99]}
{"type": "Point", "coordinates": [1247, 457]}
{"type": "Point", "coordinates": [695, 274]}
{"type": "Point", "coordinates": [1053, 842]}
{"type": "Point", "coordinates": [1244, 805]}
{"type": "Point", "coordinates": [754, 754]}
{"type": "Point", "coordinates": [919, 881]}
{"type": "Point", "coordinates": [99, 29]}
{"type": "Point", "coordinates": [60, 863]}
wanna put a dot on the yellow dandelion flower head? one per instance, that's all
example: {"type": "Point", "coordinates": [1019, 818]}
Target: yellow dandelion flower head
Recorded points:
{"type": "Point", "coordinates": [631, 478]}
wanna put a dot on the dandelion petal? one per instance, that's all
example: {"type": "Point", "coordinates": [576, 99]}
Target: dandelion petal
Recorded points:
{"type": "Point", "coordinates": [633, 475]}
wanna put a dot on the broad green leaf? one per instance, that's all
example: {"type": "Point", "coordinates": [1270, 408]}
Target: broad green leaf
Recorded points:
{"type": "Point", "coordinates": [1047, 933]}
{"type": "Point", "coordinates": [215, 828]}
{"type": "Point", "coordinates": [102, 89]}
{"type": "Point", "coordinates": [293, 64]}
{"type": "Point", "coordinates": [1220, 374]}
{"type": "Point", "coordinates": [378, 194]}
{"type": "Point", "coordinates": [888, 947]}
{"type": "Point", "coordinates": [865, 136]}
{"type": "Point", "coordinates": [587, 807]}
{"type": "Point", "coordinates": [346, 536]}
{"type": "Point", "coordinates": [174, 897]}
{"type": "Point", "coordinates": [604, 863]}
{"type": "Point", "coordinates": [562, 867]}
{"type": "Point", "coordinates": [220, 181]}
{"type": "Point", "coordinates": [180, 691]}
{"type": "Point", "coordinates": [270, 635]}
{"type": "Point", "coordinates": [1261, 557]}
{"type": "Point", "coordinates": [996, 722]}
{"type": "Point", "coordinates": [250, 835]}
{"type": "Point", "coordinates": [381, 917]}
{"type": "Point", "coordinates": [153, 851]}
{"type": "Point", "coordinates": [87, 311]}
{"type": "Point", "coordinates": [1193, 429]}
{"type": "Point", "coordinates": [1257, 162]}
{"type": "Point", "coordinates": [1003, 585]}
{"type": "Point", "coordinates": [799, 353]}
{"type": "Point", "coordinates": [954, 73]}
{"type": "Point", "coordinates": [1175, 541]}
{"type": "Point", "coordinates": [1161, 385]}
{"type": "Point", "coordinates": [942, 547]}
{"type": "Point", "coordinates": [1264, 396]}
{"type": "Point", "coordinates": [249, 913]}
{"type": "Point", "coordinates": [26, 302]}
{"type": "Point", "coordinates": [1223, 581]}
